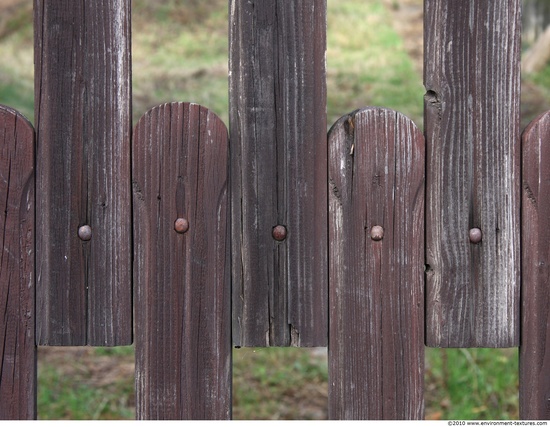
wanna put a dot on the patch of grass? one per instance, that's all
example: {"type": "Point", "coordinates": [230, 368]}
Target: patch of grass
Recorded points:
{"type": "Point", "coordinates": [80, 384]}
{"type": "Point", "coordinates": [279, 383]}
{"type": "Point", "coordinates": [17, 73]}
{"type": "Point", "coordinates": [367, 64]}
{"type": "Point", "coordinates": [61, 399]}
{"type": "Point", "coordinates": [172, 62]}
{"type": "Point", "coordinates": [122, 351]}
{"type": "Point", "coordinates": [542, 80]}
{"type": "Point", "coordinates": [472, 384]}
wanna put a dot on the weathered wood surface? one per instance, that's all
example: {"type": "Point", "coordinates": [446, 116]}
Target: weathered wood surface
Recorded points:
{"type": "Point", "coordinates": [17, 348]}
{"type": "Point", "coordinates": [376, 348]}
{"type": "Point", "coordinates": [182, 280]}
{"type": "Point", "coordinates": [472, 64]}
{"type": "Point", "coordinates": [278, 172]}
{"type": "Point", "coordinates": [535, 333]}
{"type": "Point", "coordinates": [83, 123]}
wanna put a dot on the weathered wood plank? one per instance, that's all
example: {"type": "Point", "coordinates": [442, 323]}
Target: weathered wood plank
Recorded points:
{"type": "Point", "coordinates": [535, 333]}
{"type": "Point", "coordinates": [83, 123]}
{"type": "Point", "coordinates": [472, 75]}
{"type": "Point", "coordinates": [183, 297]}
{"type": "Point", "coordinates": [278, 172]}
{"type": "Point", "coordinates": [376, 264]}
{"type": "Point", "coordinates": [17, 346]}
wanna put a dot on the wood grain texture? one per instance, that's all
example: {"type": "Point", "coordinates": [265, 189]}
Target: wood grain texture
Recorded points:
{"type": "Point", "coordinates": [278, 172]}
{"type": "Point", "coordinates": [83, 122]}
{"type": "Point", "coordinates": [17, 320]}
{"type": "Point", "coordinates": [472, 75]}
{"type": "Point", "coordinates": [183, 297]}
{"type": "Point", "coordinates": [376, 348]}
{"type": "Point", "coordinates": [535, 333]}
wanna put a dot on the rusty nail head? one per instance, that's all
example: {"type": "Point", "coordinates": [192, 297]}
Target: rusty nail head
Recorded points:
{"type": "Point", "coordinates": [85, 233]}
{"type": "Point", "coordinates": [279, 233]}
{"type": "Point", "coordinates": [181, 225]}
{"type": "Point", "coordinates": [377, 233]}
{"type": "Point", "coordinates": [475, 235]}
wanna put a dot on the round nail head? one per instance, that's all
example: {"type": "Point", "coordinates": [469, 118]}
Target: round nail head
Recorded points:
{"type": "Point", "coordinates": [279, 233]}
{"type": "Point", "coordinates": [475, 235]}
{"type": "Point", "coordinates": [85, 233]}
{"type": "Point", "coordinates": [181, 225]}
{"type": "Point", "coordinates": [377, 233]}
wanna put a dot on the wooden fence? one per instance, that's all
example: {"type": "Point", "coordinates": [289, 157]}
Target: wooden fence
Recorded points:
{"type": "Point", "coordinates": [376, 240]}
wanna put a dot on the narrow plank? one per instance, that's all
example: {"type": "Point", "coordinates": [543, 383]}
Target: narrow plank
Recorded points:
{"type": "Point", "coordinates": [534, 369]}
{"type": "Point", "coordinates": [376, 264]}
{"type": "Point", "coordinates": [278, 172]}
{"type": "Point", "coordinates": [472, 77]}
{"type": "Point", "coordinates": [18, 350]}
{"type": "Point", "coordinates": [183, 297]}
{"type": "Point", "coordinates": [83, 123]}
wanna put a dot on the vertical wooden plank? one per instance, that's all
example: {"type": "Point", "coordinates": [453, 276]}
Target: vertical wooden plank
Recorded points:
{"type": "Point", "coordinates": [83, 122]}
{"type": "Point", "coordinates": [183, 297]}
{"type": "Point", "coordinates": [534, 367]}
{"type": "Point", "coordinates": [17, 347]}
{"type": "Point", "coordinates": [472, 77]}
{"type": "Point", "coordinates": [376, 264]}
{"type": "Point", "coordinates": [278, 172]}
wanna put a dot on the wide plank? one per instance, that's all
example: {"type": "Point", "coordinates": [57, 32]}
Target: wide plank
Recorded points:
{"type": "Point", "coordinates": [472, 77]}
{"type": "Point", "coordinates": [83, 125]}
{"type": "Point", "coordinates": [181, 268]}
{"type": "Point", "coordinates": [376, 264]}
{"type": "Point", "coordinates": [534, 367]}
{"type": "Point", "coordinates": [17, 316]}
{"type": "Point", "coordinates": [277, 93]}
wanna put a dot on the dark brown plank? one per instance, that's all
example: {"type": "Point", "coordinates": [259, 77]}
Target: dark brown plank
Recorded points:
{"type": "Point", "coordinates": [17, 347]}
{"type": "Point", "coordinates": [278, 172]}
{"type": "Point", "coordinates": [83, 123]}
{"type": "Point", "coordinates": [183, 297]}
{"type": "Point", "coordinates": [535, 333]}
{"type": "Point", "coordinates": [376, 349]}
{"type": "Point", "coordinates": [472, 75]}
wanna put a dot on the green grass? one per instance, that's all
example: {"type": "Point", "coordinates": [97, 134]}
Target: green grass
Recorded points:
{"type": "Point", "coordinates": [172, 62]}
{"type": "Point", "coordinates": [279, 383]}
{"type": "Point", "coordinates": [472, 384]}
{"type": "Point", "coordinates": [85, 383]}
{"type": "Point", "coordinates": [16, 74]}
{"type": "Point", "coordinates": [367, 64]}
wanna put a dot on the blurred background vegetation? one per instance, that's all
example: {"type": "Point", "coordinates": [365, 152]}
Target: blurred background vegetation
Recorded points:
{"type": "Point", "coordinates": [374, 57]}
